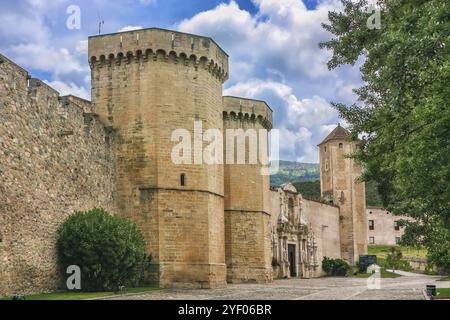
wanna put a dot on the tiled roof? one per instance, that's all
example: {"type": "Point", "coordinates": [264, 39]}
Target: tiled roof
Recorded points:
{"type": "Point", "coordinates": [339, 133]}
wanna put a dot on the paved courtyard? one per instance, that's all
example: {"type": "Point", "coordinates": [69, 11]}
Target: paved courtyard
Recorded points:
{"type": "Point", "coordinates": [408, 287]}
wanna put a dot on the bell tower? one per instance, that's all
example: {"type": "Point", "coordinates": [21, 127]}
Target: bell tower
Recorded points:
{"type": "Point", "coordinates": [339, 186]}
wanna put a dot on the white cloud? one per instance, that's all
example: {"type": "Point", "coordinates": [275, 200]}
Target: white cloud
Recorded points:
{"type": "Point", "coordinates": [303, 123]}
{"type": "Point", "coordinates": [82, 47]}
{"type": "Point", "coordinates": [69, 89]}
{"type": "Point", "coordinates": [286, 40]}
{"type": "Point", "coordinates": [274, 55]}
{"type": "Point", "coordinates": [48, 59]}
{"type": "Point", "coordinates": [35, 38]}
{"type": "Point", "coordinates": [129, 28]}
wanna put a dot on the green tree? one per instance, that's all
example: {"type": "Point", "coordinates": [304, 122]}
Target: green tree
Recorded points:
{"type": "Point", "coordinates": [109, 250]}
{"type": "Point", "coordinates": [403, 113]}
{"type": "Point", "coordinates": [394, 257]}
{"type": "Point", "coordinates": [309, 189]}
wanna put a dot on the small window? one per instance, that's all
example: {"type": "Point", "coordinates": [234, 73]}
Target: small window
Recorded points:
{"type": "Point", "coordinates": [387, 212]}
{"type": "Point", "coordinates": [325, 148]}
{"type": "Point", "coordinates": [370, 212]}
{"type": "Point", "coordinates": [183, 179]}
{"type": "Point", "coordinates": [371, 225]}
{"type": "Point", "coordinates": [397, 240]}
{"type": "Point", "coordinates": [371, 240]}
{"type": "Point", "coordinates": [342, 198]}
{"type": "Point", "coordinates": [396, 226]}
{"type": "Point", "coordinates": [341, 145]}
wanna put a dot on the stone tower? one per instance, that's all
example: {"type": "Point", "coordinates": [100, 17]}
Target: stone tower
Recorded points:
{"type": "Point", "coordinates": [145, 85]}
{"type": "Point", "coordinates": [338, 184]}
{"type": "Point", "coordinates": [247, 194]}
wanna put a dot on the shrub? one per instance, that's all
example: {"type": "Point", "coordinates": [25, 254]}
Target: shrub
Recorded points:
{"type": "Point", "coordinates": [109, 250]}
{"type": "Point", "coordinates": [335, 267]}
{"type": "Point", "coordinates": [394, 260]}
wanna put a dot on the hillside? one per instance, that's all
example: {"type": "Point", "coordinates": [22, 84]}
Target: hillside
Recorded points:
{"type": "Point", "coordinates": [306, 176]}
{"type": "Point", "coordinates": [291, 171]}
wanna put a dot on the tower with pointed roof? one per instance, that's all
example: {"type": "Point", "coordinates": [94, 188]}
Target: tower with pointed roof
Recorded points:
{"type": "Point", "coordinates": [339, 186]}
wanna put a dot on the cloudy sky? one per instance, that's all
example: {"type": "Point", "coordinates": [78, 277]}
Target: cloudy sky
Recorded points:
{"type": "Point", "coordinates": [273, 48]}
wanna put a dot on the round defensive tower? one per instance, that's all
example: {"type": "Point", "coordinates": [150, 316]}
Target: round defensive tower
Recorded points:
{"type": "Point", "coordinates": [146, 84]}
{"type": "Point", "coordinates": [247, 191]}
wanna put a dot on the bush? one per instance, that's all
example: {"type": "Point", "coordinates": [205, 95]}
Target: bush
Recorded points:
{"type": "Point", "coordinates": [109, 250]}
{"type": "Point", "coordinates": [335, 267]}
{"type": "Point", "coordinates": [394, 260]}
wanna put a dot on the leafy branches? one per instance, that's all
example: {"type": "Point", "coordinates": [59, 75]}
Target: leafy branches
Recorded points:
{"type": "Point", "coordinates": [403, 113]}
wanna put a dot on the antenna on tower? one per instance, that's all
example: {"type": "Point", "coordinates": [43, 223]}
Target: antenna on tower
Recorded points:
{"type": "Point", "coordinates": [100, 22]}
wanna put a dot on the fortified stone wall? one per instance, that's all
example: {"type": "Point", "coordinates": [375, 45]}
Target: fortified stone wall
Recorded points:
{"type": "Point", "coordinates": [323, 222]}
{"type": "Point", "coordinates": [54, 159]}
{"type": "Point", "coordinates": [148, 84]}
{"type": "Point", "coordinates": [247, 195]}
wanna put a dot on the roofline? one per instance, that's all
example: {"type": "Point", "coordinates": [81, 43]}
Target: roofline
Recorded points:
{"type": "Point", "coordinates": [161, 29]}
{"type": "Point", "coordinates": [332, 139]}
{"type": "Point", "coordinates": [2, 56]}
{"type": "Point", "coordinates": [249, 99]}
{"type": "Point", "coordinates": [77, 97]}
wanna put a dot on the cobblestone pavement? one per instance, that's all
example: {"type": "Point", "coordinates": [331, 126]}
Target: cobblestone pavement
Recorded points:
{"type": "Point", "coordinates": [402, 288]}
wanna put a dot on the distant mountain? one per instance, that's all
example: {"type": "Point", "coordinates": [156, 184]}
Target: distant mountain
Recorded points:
{"type": "Point", "coordinates": [305, 177]}
{"type": "Point", "coordinates": [291, 171]}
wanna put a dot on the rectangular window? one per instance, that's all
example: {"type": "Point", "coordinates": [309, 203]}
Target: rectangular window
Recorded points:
{"type": "Point", "coordinates": [371, 225]}
{"type": "Point", "coordinates": [396, 226]}
{"type": "Point", "coordinates": [183, 179]}
{"type": "Point", "coordinates": [371, 240]}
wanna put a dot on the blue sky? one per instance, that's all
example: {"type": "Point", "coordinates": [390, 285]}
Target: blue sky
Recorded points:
{"type": "Point", "coordinates": [273, 48]}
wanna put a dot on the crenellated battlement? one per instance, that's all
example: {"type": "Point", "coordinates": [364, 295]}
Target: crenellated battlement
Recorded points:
{"type": "Point", "coordinates": [155, 44]}
{"type": "Point", "coordinates": [247, 110]}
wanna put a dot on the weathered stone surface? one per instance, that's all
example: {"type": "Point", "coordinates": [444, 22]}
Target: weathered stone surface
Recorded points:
{"type": "Point", "coordinates": [338, 183]}
{"type": "Point", "coordinates": [310, 227]}
{"type": "Point", "coordinates": [51, 163]}
{"type": "Point", "coordinates": [247, 196]}
{"type": "Point", "coordinates": [61, 154]}
{"type": "Point", "coordinates": [147, 89]}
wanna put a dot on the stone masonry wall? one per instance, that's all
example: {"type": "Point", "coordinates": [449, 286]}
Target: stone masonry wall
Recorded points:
{"type": "Point", "coordinates": [149, 84]}
{"type": "Point", "coordinates": [248, 238]}
{"type": "Point", "coordinates": [54, 159]}
{"type": "Point", "coordinates": [323, 221]}
{"type": "Point", "coordinates": [338, 176]}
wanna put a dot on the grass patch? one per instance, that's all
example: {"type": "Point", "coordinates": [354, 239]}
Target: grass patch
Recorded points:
{"type": "Point", "coordinates": [76, 295]}
{"type": "Point", "coordinates": [383, 250]}
{"type": "Point", "coordinates": [384, 274]}
{"type": "Point", "coordinates": [443, 292]}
